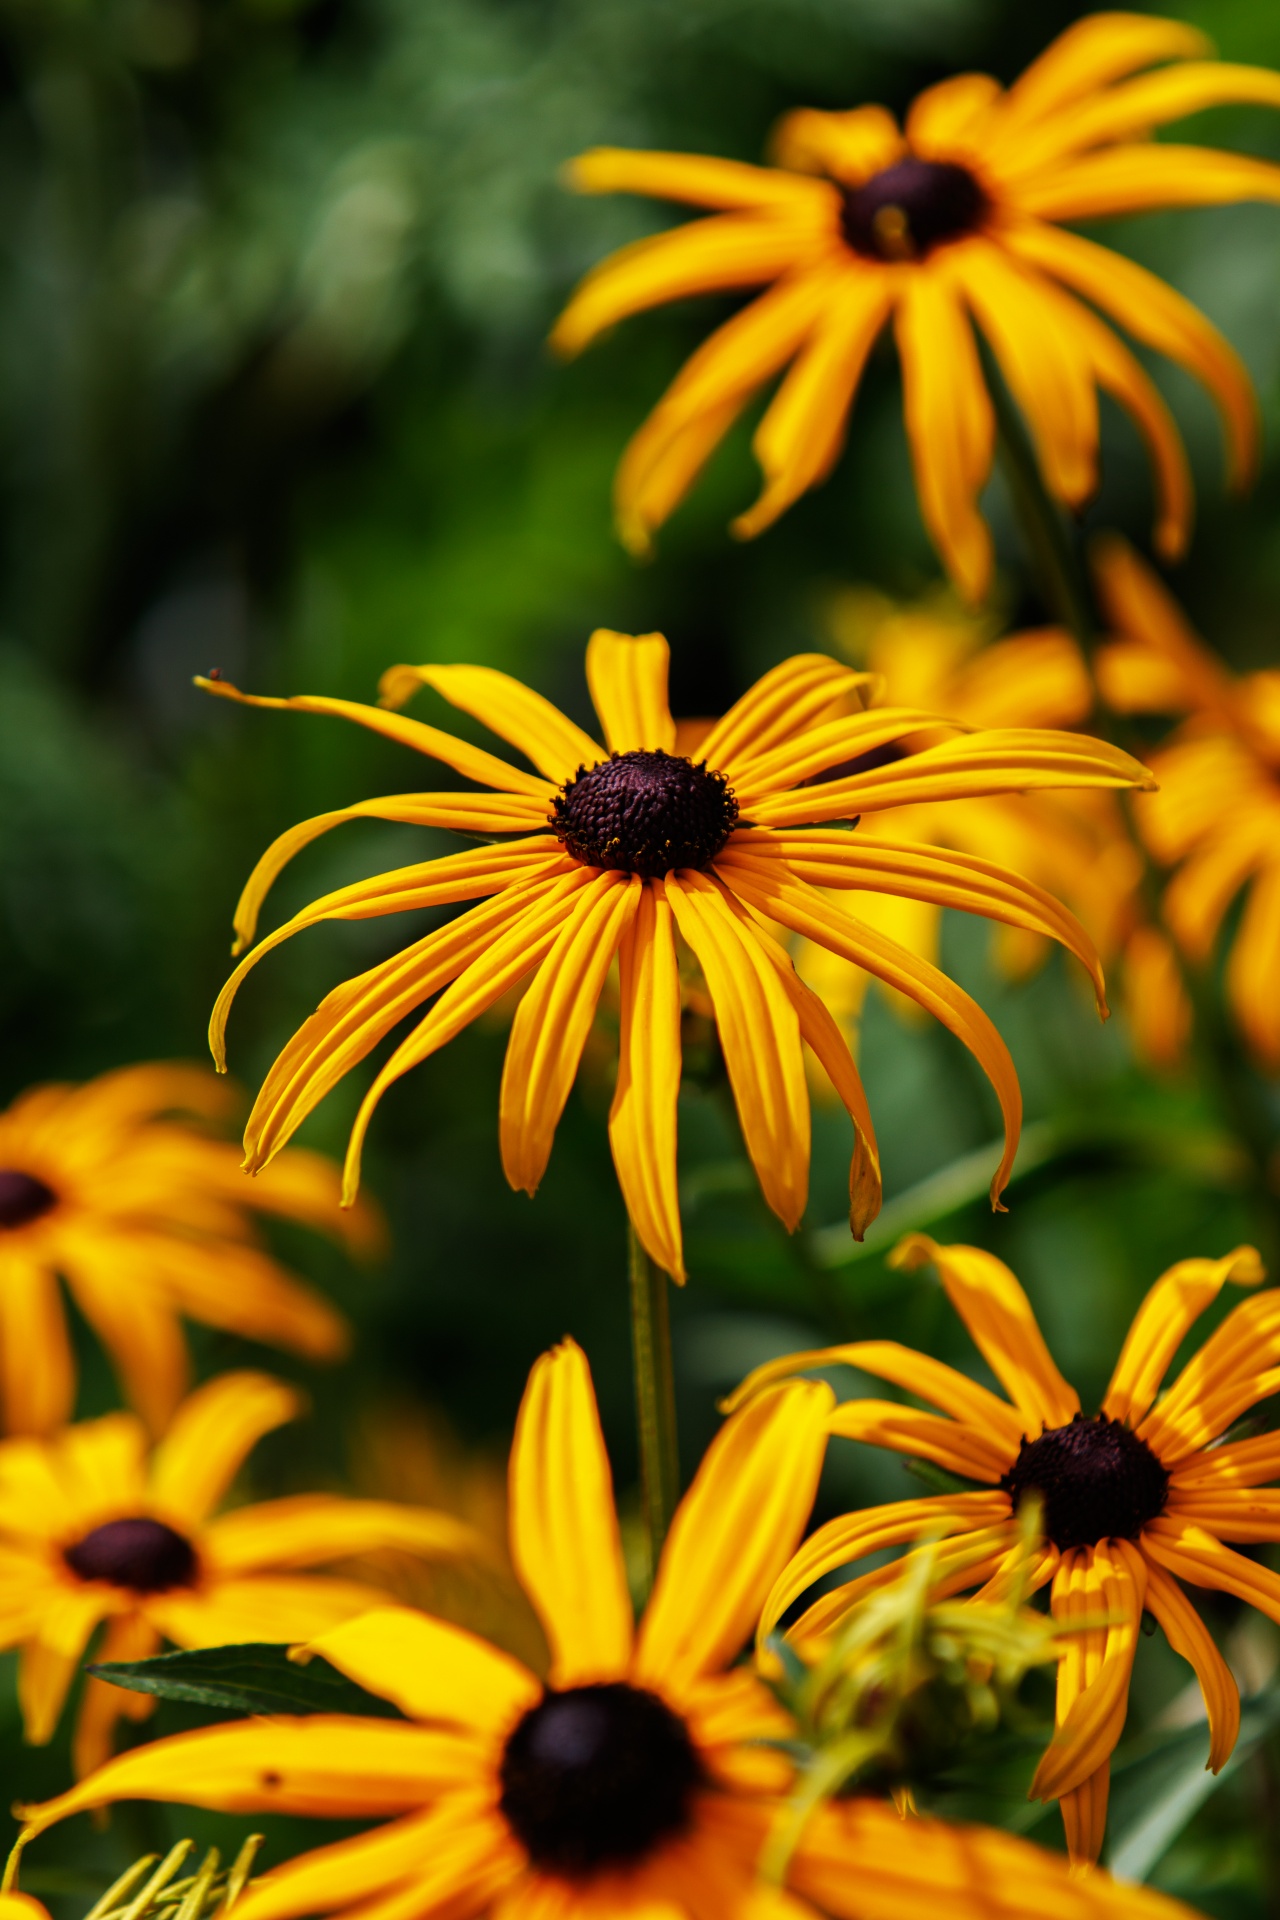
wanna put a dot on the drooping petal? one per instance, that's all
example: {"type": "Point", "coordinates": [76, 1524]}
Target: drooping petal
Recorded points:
{"type": "Point", "coordinates": [642, 1117]}
{"type": "Point", "coordinates": [115, 1280]}
{"type": "Point", "coordinates": [660, 463]}
{"type": "Point", "coordinates": [1194, 1555]}
{"type": "Point", "coordinates": [524, 719]}
{"type": "Point", "coordinates": [1091, 1708]}
{"type": "Point", "coordinates": [212, 1435]}
{"type": "Point", "coordinates": [627, 674]}
{"type": "Point", "coordinates": [1251, 968]}
{"type": "Point", "coordinates": [37, 1372]}
{"type": "Point", "coordinates": [783, 703]}
{"type": "Point", "coordinates": [308, 1529]}
{"type": "Point", "coordinates": [320, 1764]}
{"type": "Point", "coordinates": [1158, 316]}
{"type": "Point", "coordinates": [759, 1033]}
{"type": "Point", "coordinates": [552, 1023]}
{"type": "Point", "coordinates": [130, 1636]}
{"type": "Point", "coordinates": [998, 1315]}
{"type": "Point", "coordinates": [51, 1658]}
{"type": "Point", "coordinates": [949, 422]}
{"type": "Point", "coordinates": [431, 1670]}
{"type": "Point", "coordinates": [473, 763]}
{"type": "Point", "coordinates": [1187, 1634]}
{"type": "Point", "coordinates": [800, 437]}
{"type": "Point", "coordinates": [1161, 1323]}
{"type": "Point", "coordinates": [565, 1542]}
{"type": "Point", "coordinates": [884, 1423]}
{"type": "Point", "coordinates": [1117, 372]}
{"type": "Point", "coordinates": [733, 1533]}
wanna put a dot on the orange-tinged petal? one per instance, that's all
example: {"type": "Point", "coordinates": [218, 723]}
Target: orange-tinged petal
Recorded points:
{"type": "Point", "coordinates": [565, 1542]}
{"type": "Point", "coordinates": [968, 1562]}
{"type": "Point", "coordinates": [694, 177]}
{"type": "Point", "coordinates": [423, 1865]}
{"type": "Point", "coordinates": [524, 719]}
{"type": "Point", "coordinates": [642, 1117]}
{"type": "Point", "coordinates": [1090, 54]}
{"type": "Point", "coordinates": [1242, 1515]}
{"type": "Point", "coordinates": [1161, 1323]}
{"type": "Point", "coordinates": [998, 1315]}
{"type": "Point", "coordinates": [1135, 109]}
{"type": "Point", "coordinates": [307, 1529]}
{"type": "Point", "coordinates": [471, 762]}
{"type": "Point", "coordinates": [848, 147]}
{"type": "Point", "coordinates": [37, 1373]}
{"type": "Point", "coordinates": [733, 1533]}
{"type": "Point", "coordinates": [1193, 1554]}
{"type": "Point", "coordinates": [627, 674]}
{"type": "Point", "coordinates": [949, 422]}
{"type": "Point", "coordinates": [552, 1023]}
{"type": "Point", "coordinates": [1241, 1463]}
{"type": "Point", "coordinates": [320, 1764]}
{"type": "Point", "coordinates": [760, 1036]}
{"type": "Point", "coordinates": [1251, 968]}
{"type": "Point", "coordinates": [883, 1423]}
{"type": "Point", "coordinates": [1118, 373]}
{"type": "Point", "coordinates": [432, 1671]}
{"type": "Point", "coordinates": [952, 113]}
{"type": "Point", "coordinates": [211, 1436]}
{"type": "Point", "coordinates": [122, 1295]}
{"type": "Point", "coordinates": [1187, 1634]}
{"type": "Point", "coordinates": [1115, 1587]}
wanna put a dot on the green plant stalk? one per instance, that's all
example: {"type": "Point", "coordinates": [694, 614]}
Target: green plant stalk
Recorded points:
{"type": "Point", "coordinates": [1055, 554]}
{"type": "Point", "coordinates": [655, 1394]}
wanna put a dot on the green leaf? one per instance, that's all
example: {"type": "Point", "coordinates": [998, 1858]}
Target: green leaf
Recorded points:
{"type": "Point", "coordinates": [1162, 1781]}
{"type": "Point", "coordinates": [257, 1678]}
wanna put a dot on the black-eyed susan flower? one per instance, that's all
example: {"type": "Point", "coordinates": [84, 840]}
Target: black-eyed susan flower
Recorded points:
{"type": "Point", "coordinates": [624, 849]}
{"type": "Point", "coordinates": [639, 1779]}
{"type": "Point", "coordinates": [146, 1219]}
{"type": "Point", "coordinates": [1216, 818]}
{"type": "Point", "coordinates": [950, 222]}
{"type": "Point", "coordinates": [95, 1526]}
{"type": "Point", "coordinates": [1135, 1497]}
{"type": "Point", "coordinates": [936, 655]}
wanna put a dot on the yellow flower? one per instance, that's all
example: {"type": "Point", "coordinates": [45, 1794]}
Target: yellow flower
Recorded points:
{"type": "Point", "coordinates": [1131, 1496]}
{"type": "Point", "coordinates": [639, 1780]}
{"type": "Point", "coordinates": [627, 845]}
{"type": "Point", "coordinates": [1216, 819]}
{"type": "Point", "coordinates": [94, 1528]}
{"type": "Point", "coordinates": [935, 655]}
{"type": "Point", "coordinates": [951, 221]}
{"type": "Point", "coordinates": [146, 1219]}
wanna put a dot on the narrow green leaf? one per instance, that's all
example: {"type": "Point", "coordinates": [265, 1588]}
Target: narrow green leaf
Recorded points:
{"type": "Point", "coordinates": [257, 1678]}
{"type": "Point", "coordinates": [1162, 1781]}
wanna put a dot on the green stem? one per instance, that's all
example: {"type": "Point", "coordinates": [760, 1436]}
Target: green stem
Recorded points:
{"type": "Point", "coordinates": [655, 1394]}
{"type": "Point", "coordinates": [1064, 582]}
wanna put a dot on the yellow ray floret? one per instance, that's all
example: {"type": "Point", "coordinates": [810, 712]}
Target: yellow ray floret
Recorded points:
{"type": "Point", "coordinates": [632, 852]}
{"type": "Point", "coordinates": [1131, 1497]}
{"type": "Point", "coordinates": [948, 226]}
{"type": "Point", "coordinates": [643, 1776]}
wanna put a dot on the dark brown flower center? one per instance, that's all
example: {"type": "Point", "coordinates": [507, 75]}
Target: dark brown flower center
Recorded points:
{"type": "Point", "coordinates": [140, 1553]}
{"type": "Point", "coordinates": [597, 1777]}
{"type": "Point", "coordinates": [1097, 1479]}
{"type": "Point", "coordinates": [23, 1198]}
{"type": "Point", "coordinates": [645, 812]}
{"type": "Point", "coordinates": [905, 210]}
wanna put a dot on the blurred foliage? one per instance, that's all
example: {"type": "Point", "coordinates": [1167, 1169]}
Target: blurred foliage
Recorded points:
{"type": "Point", "coordinates": [274, 281]}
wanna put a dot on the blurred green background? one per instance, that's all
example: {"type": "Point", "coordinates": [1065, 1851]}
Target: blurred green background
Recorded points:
{"type": "Point", "coordinates": [275, 277]}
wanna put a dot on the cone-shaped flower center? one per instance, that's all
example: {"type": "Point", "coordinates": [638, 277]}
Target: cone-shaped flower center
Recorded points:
{"type": "Point", "coordinates": [597, 1777]}
{"type": "Point", "coordinates": [903, 211]}
{"type": "Point", "coordinates": [141, 1553]}
{"type": "Point", "coordinates": [645, 812]}
{"type": "Point", "coordinates": [1097, 1480]}
{"type": "Point", "coordinates": [23, 1198]}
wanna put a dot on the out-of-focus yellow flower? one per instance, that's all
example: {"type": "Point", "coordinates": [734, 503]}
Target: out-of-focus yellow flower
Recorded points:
{"type": "Point", "coordinates": [94, 1528]}
{"type": "Point", "coordinates": [146, 1218]}
{"type": "Point", "coordinates": [625, 846]}
{"type": "Point", "coordinates": [1216, 817]}
{"type": "Point", "coordinates": [642, 1778]}
{"type": "Point", "coordinates": [935, 655]}
{"type": "Point", "coordinates": [951, 221]}
{"type": "Point", "coordinates": [1131, 1497]}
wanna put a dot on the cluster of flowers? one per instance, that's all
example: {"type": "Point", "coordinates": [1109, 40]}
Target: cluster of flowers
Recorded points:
{"type": "Point", "coordinates": [646, 1770]}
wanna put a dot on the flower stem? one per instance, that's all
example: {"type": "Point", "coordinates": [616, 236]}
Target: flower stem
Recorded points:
{"type": "Point", "coordinates": [1042, 524]}
{"type": "Point", "coordinates": [655, 1394]}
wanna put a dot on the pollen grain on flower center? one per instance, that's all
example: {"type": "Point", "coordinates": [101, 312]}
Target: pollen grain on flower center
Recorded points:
{"type": "Point", "coordinates": [645, 812]}
{"type": "Point", "coordinates": [23, 1198]}
{"type": "Point", "coordinates": [596, 1777]}
{"type": "Point", "coordinates": [140, 1553]}
{"type": "Point", "coordinates": [1097, 1479]}
{"type": "Point", "coordinates": [905, 210]}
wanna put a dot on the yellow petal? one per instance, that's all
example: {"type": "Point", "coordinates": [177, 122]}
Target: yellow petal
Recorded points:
{"type": "Point", "coordinates": [1251, 968]}
{"type": "Point", "coordinates": [627, 674]}
{"type": "Point", "coordinates": [642, 1117]}
{"type": "Point", "coordinates": [1141, 178]}
{"type": "Point", "coordinates": [1114, 1587]}
{"type": "Point", "coordinates": [998, 1315]}
{"type": "Point", "coordinates": [883, 1423]}
{"type": "Point", "coordinates": [1118, 373]}
{"type": "Point", "coordinates": [848, 147]}
{"type": "Point", "coordinates": [1193, 1554]}
{"type": "Point", "coordinates": [443, 1862]}
{"type": "Point", "coordinates": [431, 1670]}
{"type": "Point", "coordinates": [823, 746]}
{"type": "Point", "coordinates": [950, 425]}
{"type": "Point", "coordinates": [211, 1436]}
{"type": "Point", "coordinates": [784, 703]}
{"type": "Point", "coordinates": [116, 1282]}
{"type": "Point", "coordinates": [37, 1372]}
{"type": "Point", "coordinates": [1187, 1634]}
{"type": "Point", "coordinates": [733, 1533]}
{"type": "Point", "coordinates": [518, 715]}
{"type": "Point", "coordinates": [959, 1565]}
{"type": "Point", "coordinates": [1092, 52]}
{"type": "Point", "coordinates": [1161, 1323]}
{"type": "Point", "coordinates": [952, 112]}
{"type": "Point", "coordinates": [1134, 110]}
{"type": "Point", "coordinates": [564, 1528]}
{"type": "Point", "coordinates": [307, 1529]}
{"type": "Point", "coordinates": [694, 177]}
{"type": "Point", "coordinates": [51, 1658]}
